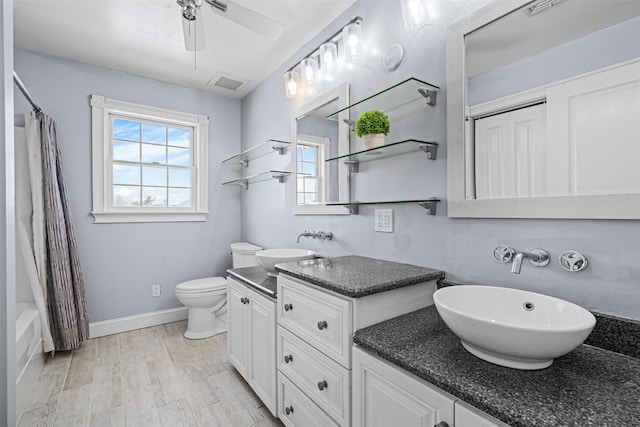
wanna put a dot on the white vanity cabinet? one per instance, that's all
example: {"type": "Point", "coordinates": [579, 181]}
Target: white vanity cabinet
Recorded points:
{"type": "Point", "coordinates": [251, 339]}
{"type": "Point", "coordinates": [385, 395]}
{"type": "Point", "coordinates": [314, 335]}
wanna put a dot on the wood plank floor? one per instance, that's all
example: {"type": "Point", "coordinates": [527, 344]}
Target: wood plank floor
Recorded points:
{"type": "Point", "coordinates": [148, 377]}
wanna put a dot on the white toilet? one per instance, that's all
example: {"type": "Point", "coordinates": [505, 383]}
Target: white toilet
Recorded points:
{"type": "Point", "coordinates": [207, 298]}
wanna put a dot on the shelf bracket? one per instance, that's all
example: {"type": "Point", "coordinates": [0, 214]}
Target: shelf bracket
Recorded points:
{"type": "Point", "coordinates": [244, 184]}
{"type": "Point", "coordinates": [244, 162]}
{"type": "Point", "coordinates": [430, 150]}
{"type": "Point", "coordinates": [429, 206]}
{"type": "Point", "coordinates": [281, 149]}
{"type": "Point", "coordinates": [353, 209]}
{"type": "Point", "coordinates": [280, 177]}
{"type": "Point", "coordinates": [430, 95]}
{"type": "Point", "coordinates": [354, 165]}
{"type": "Point", "coordinates": [350, 123]}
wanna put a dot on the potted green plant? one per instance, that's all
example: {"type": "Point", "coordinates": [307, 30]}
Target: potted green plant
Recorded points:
{"type": "Point", "coordinates": [372, 126]}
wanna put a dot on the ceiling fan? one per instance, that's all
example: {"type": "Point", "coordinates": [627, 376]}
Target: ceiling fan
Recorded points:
{"type": "Point", "coordinates": [193, 26]}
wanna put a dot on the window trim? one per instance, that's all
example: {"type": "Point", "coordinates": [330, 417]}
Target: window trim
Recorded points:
{"type": "Point", "coordinates": [103, 210]}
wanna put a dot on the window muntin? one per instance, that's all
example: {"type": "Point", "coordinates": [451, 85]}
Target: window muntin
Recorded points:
{"type": "Point", "coordinates": [151, 164]}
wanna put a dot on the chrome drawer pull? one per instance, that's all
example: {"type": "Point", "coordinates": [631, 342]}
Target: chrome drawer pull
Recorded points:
{"type": "Point", "coordinates": [322, 324]}
{"type": "Point", "coordinates": [322, 385]}
{"type": "Point", "coordinates": [289, 410]}
{"type": "Point", "coordinates": [288, 307]}
{"type": "Point", "coordinates": [288, 358]}
{"type": "Point", "coordinates": [442, 424]}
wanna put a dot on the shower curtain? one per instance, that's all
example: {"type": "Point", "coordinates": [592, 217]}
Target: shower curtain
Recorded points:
{"type": "Point", "coordinates": [59, 268]}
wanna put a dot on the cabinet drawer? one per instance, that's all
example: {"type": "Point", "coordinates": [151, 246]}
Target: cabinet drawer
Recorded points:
{"type": "Point", "coordinates": [322, 379]}
{"type": "Point", "coordinates": [321, 319]}
{"type": "Point", "coordinates": [296, 409]}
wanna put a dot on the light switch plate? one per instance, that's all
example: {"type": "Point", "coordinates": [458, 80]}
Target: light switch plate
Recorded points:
{"type": "Point", "coordinates": [383, 220]}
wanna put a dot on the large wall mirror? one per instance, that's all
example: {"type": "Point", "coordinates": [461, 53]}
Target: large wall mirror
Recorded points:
{"type": "Point", "coordinates": [543, 110]}
{"type": "Point", "coordinates": [318, 183]}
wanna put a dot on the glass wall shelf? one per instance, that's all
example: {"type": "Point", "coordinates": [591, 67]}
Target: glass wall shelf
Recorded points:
{"type": "Point", "coordinates": [428, 204]}
{"type": "Point", "coordinates": [388, 150]}
{"type": "Point", "coordinates": [406, 92]}
{"type": "Point", "coordinates": [263, 176]}
{"type": "Point", "coordinates": [259, 150]}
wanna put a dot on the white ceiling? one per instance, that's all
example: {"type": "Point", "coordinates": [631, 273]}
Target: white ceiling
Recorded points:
{"type": "Point", "coordinates": [144, 37]}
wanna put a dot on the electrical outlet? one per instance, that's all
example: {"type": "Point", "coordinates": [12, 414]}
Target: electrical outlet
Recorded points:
{"type": "Point", "coordinates": [384, 220]}
{"type": "Point", "coordinates": [155, 290]}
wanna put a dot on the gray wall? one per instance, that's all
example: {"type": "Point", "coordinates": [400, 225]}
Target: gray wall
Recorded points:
{"type": "Point", "coordinates": [7, 225]}
{"type": "Point", "coordinates": [461, 247]}
{"type": "Point", "coordinates": [121, 261]}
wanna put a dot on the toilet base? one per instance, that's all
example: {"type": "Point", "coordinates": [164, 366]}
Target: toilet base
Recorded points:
{"type": "Point", "coordinates": [202, 323]}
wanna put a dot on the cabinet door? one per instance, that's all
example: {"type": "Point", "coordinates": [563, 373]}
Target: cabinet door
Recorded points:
{"type": "Point", "coordinates": [384, 395]}
{"type": "Point", "coordinates": [237, 326]}
{"type": "Point", "coordinates": [262, 348]}
{"type": "Point", "coordinates": [468, 416]}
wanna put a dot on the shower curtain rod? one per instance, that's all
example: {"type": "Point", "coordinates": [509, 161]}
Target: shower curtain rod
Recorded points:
{"type": "Point", "coordinates": [25, 92]}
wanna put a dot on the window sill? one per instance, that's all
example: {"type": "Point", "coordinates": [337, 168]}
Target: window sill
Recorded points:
{"type": "Point", "coordinates": [109, 217]}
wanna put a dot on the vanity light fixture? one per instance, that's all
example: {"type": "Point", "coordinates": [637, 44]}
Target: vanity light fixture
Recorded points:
{"type": "Point", "coordinates": [346, 44]}
{"type": "Point", "coordinates": [415, 13]}
{"type": "Point", "coordinates": [309, 71]}
{"type": "Point", "coordinates": [328, 58]}
{"type": "Point", "coordinates": [291, 83]}
{"type": "Point", "coordinates": [352, 39]}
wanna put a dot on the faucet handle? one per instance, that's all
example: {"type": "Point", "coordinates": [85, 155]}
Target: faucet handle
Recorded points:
{"type": "Point", "coordinates": [503, 254]}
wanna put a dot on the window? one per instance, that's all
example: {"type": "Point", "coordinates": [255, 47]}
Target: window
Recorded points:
{"type": "Point", "coordinates": [310, 169]}
{"type": "Point", "coordinates": [149, 164]}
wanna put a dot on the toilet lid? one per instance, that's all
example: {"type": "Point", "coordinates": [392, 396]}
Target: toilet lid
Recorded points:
{"type": "Point", "coordinates": [205, 284]}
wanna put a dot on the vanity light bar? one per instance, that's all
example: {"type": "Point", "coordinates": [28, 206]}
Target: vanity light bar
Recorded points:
{"type": "Point", "coordinates": [332, 39]}
{"type": "Point", "coordinates": [541, 6]}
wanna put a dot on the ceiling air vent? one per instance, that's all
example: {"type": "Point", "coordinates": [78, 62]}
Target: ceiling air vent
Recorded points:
{"type": "Point", "coordinates": [540, 6]}
{"type": "Point", "coordinates": [226, 82]}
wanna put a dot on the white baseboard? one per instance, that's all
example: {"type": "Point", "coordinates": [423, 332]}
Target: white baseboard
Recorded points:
{"type": "Point", "coordinates": [138, 321]}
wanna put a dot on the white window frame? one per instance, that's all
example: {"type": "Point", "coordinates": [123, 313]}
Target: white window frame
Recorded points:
{"type": "Point", "coordinates": [102, 163]}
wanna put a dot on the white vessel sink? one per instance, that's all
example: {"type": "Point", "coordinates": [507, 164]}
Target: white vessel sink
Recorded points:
{"type": "Point", "coordinates": [513, 328]}
{"type": "Point", "coordinates": [270, 257]}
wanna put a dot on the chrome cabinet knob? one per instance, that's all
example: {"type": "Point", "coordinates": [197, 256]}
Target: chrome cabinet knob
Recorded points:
{"type": "Point", "coordinates": [244, 300]}
{"type": "Point", "coordinates": [288, 410]}
{"type": "Point", "coordinates": [322, 385]}
{"type": "Point", "coordinates": [322, 324]}
{"type": "Point", "coordinates": [288, 358]}
{"type": "Point", "coordinates": [442, 424]}
{"type": "Point", "coordinates": [288, 307]}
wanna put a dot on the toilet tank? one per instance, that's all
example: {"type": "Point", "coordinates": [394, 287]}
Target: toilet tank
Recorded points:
{"type": "Point", "coordinates": [244, 254]}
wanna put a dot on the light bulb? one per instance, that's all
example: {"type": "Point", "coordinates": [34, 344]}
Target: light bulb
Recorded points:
{"type": "Point", "coordinates": [308, 67]}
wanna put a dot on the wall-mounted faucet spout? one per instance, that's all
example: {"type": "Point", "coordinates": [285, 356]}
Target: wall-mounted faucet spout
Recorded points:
{"type": "Point", "coordinates": [538, 257]}
{"type": "Point", "coordinates": [322, 235]}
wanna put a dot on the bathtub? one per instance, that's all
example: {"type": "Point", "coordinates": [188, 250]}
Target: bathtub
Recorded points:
{"type": "Point", "coordinates": [29, 355]}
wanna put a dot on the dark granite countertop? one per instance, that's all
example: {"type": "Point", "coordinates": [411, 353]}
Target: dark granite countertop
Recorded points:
{"type": "Point", "coordinates": [589, 386]}
{"type": "Point", "coordinates": [257, 278]}
{"type": "Point", "coordinates": [357, 276]}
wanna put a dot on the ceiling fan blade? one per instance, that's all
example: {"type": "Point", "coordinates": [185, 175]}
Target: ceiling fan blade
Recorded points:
{"type": "Point", "coordinates": [193, 31]}
{"type": "Point", "coordinates": [248, 18]}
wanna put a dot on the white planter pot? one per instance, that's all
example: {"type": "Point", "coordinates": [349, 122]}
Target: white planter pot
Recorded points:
{"type": "Point", "coordinates": [373, 140]}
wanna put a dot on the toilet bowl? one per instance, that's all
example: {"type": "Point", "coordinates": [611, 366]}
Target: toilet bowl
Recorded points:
{"type": "Point", "coordinates": [206, 298]}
